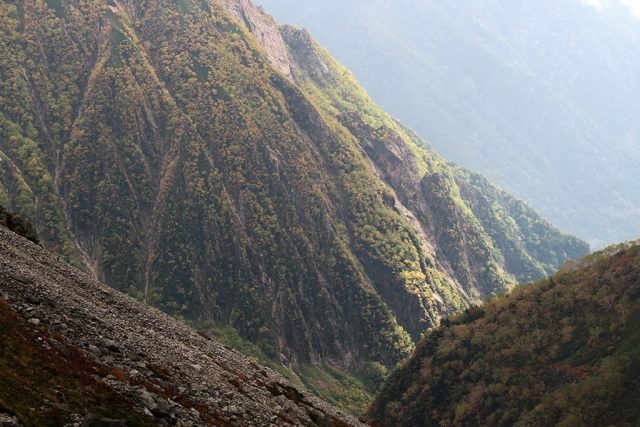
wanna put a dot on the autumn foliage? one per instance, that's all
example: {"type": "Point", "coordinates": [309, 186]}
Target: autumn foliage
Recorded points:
{"type": "Point", "coordinates": [563, 351]}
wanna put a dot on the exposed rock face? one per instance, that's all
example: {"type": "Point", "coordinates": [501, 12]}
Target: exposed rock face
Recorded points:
{"type": "Point", "coordinates": [307, 57]}
{"type": "Point", "coordinates": [162, 362]}
{"type": "Point", "coordinates": [18, 225]}
{"type": "Point", "coordinates": [265, 29]}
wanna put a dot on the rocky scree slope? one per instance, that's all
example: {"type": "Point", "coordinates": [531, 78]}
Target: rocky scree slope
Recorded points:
{"type": "Point", "coordinates": [244, 179]}
{"type": "Point", "coordinates": [133, 361]}
{"type": "Point", "coordinates": [564, 351]}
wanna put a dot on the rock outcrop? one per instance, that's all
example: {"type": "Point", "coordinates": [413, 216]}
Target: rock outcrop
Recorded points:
{"type": "Point", "coordinates": [265, 29]}
{"type": "Point", "coordinates": [18, 225]}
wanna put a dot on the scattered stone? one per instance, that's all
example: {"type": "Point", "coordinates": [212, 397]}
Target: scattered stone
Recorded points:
{"type": "Point", "coordinates": [20, 278]}
{"type": "Point", "coordinates": [7, 420]}
{"type": "Point", "coordinates": [110, 345]}
{"type": "Point", "coordinates": [61, 397]}
{"type": "Point", "coordinates": [34, 321]}
{"type": "Point", "coordinates": [127, 337]}
{"type": "Point", "coordinates": [233, 409]}
{"type": "Point", "coordinates": [32, 299]}
{"type": "Point", "coordinates": [163, 410]}
{"type": "Point", "coordinates": [102, 422]}
{"type": "Point", "coordinates": [147, 400]}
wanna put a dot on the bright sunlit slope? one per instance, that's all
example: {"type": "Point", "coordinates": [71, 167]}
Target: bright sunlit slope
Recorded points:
{"type": "Point", "coordinates": [541, 96]}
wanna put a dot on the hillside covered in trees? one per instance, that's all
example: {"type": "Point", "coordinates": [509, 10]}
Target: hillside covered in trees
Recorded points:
{"type": "Point", "coordinates": [564, 351]}
{"type": "Point", "coordinates": [230, 172]}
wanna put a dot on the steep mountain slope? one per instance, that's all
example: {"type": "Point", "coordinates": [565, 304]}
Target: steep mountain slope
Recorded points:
{"type": "Point", "coordinates": [536, 95]}
{"type": "Point", "coordinates": [73, 347]}
{"type": "Point", "coordinates": [564, 351]}
{"type": "Point", "coordinates": [421, 181]}
{"type": "Point", "coordinates": [245, 181]}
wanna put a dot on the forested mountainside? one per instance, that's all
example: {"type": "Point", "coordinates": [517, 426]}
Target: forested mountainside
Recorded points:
{"type": "Point", "coordinates": [536, 95]}
{"type": "Point", "coordinates": [76, 352]}
{"type": "Point", "coordinates": [245, 180]}
{"type": "Point", "coordinates": [564, 351]}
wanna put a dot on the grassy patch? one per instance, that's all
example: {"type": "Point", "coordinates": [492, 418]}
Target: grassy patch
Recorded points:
{"type": "Point", "coordinates": [346, 391]}
{"type": "Point", "coordinates": [230, 337]}
{"type": "Point", "coordinates": [351, 392]}
{"type": "Point", "coordinates": [118, 36]}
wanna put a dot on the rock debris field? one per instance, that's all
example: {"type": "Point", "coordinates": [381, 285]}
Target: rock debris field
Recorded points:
{"type": "Point", "coordinates": [164, 369]}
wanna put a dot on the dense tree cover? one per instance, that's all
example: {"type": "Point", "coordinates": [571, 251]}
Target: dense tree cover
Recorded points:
{"type": "Point", "coordinates": [530, 248]}
{"type": "Point", "coordinates": [563, 351]}
{"type": "Point", "coordinates": [153, 143]}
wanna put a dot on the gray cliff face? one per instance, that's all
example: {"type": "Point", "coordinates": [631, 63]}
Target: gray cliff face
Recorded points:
{"type": "Point", "coordinates": [154, 350]}
{"type": "Point", "coordinates": [301, 48]}
{"type": "Point", "coordinates": [265, 29]}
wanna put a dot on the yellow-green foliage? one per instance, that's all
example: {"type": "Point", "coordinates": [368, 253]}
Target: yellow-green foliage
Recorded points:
{"type": "Point", "coordinates": [154, 142]}
{"type": "Point", "coordinates": [352, 392]}
{"type": "Point", "coordinates": [343, 390]}
{"type": "Point", "coordinates": [563, 351]}
{"type": "Point", "coordinates": [231, 338]}
{"type": "Point", "coordinates": [463, 236]}
{"type": "Point", "coordinates": [172, 157]}
{"type": "Point", "coordinates": [529, 246]}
